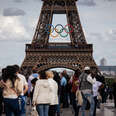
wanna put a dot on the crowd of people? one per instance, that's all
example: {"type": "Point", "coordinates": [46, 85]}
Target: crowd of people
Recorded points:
{"type": "Point", "coordinates": [49, 91]}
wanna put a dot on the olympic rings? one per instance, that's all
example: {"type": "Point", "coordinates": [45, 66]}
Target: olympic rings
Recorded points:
{"type": "Point", "coordinates": [64, 35]}
{"type": "Point", "coordinates": [50, 29]}
{"type": "Point", "coordinates": [54, 36]}
{"type": "Point", "coordinates": [69, 25]}
{"type": "Point", "coordinates": [60, 30]}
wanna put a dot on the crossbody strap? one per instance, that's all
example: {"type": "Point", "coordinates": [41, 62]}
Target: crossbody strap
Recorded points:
{"type": "Point", "coordinates": [81, 79]}
{"type": "Point", "coordinates": [9, 88]}
{"type": "Point", "coordinates": [13, 90]}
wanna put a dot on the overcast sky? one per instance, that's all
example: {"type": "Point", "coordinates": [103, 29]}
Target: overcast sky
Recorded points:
{"type": "Point", "coordinates": [18, 19]}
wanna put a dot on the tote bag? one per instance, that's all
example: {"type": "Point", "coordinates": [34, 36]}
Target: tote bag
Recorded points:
{"type": "Point", "coordinates": [34, 112]}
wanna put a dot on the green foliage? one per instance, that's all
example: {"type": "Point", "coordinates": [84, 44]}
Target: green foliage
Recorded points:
{"type": "Point", "coordinates": [109, 81]}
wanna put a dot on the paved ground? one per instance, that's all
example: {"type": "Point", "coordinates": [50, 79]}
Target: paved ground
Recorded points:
{"type": "Point", "coordinates": [107, 110]}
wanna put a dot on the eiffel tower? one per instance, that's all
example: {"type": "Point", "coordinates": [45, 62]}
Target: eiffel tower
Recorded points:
{"type": "Point", "coordinates": [41, 54]}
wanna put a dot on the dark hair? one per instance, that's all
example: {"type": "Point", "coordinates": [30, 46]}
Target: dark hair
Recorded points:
{"type": "Point", "coordinates": [63, 74]}
{"type": "Point", "coordinates": [43, 75]}
{"type": "Point", "coordinates": [16, 67]}
{"type": "Point", "coordinates": [56, 77]}
{"type": "Point", "coordinates": [77, 73]}
{"type": "Point", "coordinates": [87, 71]}
{"type": "Point", "coordinates": [9, 73]}
{"type": "Point", "coordinates": [4, 74]}
{"type": "Point", "coordinates": [33, 81]}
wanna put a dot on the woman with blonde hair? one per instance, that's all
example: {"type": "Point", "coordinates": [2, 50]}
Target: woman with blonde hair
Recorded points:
{"type": "Point", "coordinates": [54, 93]}
{"type": "Point", "coordinates": [41, 96]}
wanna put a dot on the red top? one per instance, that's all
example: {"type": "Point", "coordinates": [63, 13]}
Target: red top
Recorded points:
{"type": "Point", "coordinates": [75, 84]}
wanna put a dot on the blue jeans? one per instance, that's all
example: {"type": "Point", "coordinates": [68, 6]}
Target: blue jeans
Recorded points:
{"type": "Point", "coordinates": [23, 106]}
{"type": "Point", "coordinates": [42, 109]}
{"type": "Point", "coordinates": [92, 104]}
{"type": "Point", "coordinates": [11, 107]}
{"type": "Point", "coordinates": [58, 105]}
{"type": "Point", "coordinates": [23, 112]}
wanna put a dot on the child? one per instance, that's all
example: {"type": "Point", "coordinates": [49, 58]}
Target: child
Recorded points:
{"type": "Point", "coordinates": [33, 82]}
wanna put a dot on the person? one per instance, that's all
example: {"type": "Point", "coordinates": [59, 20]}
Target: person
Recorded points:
{"type": "Point", "coordinates": [57, 79]}
{"type": "Point", "coordinates": [1, 100]}
{"type": "Point", "coordinates": [63, 84]}
{"type": "Point", "coordinates": [25, 88]}
{"type": "Point", "coordinates": [86, 82]}
{"type": "Point", "coordinates": [95, 89]}
{"type": "Point", "coordinates": [1, 94]}
{"type": "Point", "coordinates": [68, 88]}
{"type": "Point", "coordinates": [33, 82]}
{"type": "Point", "coordinates": [103, 91]}
{"type": "Point", "coordinates": [12, 88]}
{"type": "Point", "coordinates": [114, 92]}
{"type": "Point", "coordinates": [75, 87]}
{"type": "Point", "coordinates": [22, 77]}
{"type": "Point", "coordinates": [41, 96]}
{"type": "Point", "coordinates": [54, 93]}
{"type": "Point", "coordinates": [110, 92]}
{"type": "Point", "coordinates": [30, 87]}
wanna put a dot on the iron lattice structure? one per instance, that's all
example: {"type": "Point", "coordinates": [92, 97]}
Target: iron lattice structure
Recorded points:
{"type": "Point", "coordinates": [44, 55]}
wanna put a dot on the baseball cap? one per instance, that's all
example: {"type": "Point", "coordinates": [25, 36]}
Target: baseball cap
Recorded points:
{"type": "Point", "coordinates": [87, 68]}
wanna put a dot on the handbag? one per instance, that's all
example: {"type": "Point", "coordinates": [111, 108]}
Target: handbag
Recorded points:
{"type": "Point", "coordinates": [34, 112]}
{"type": "Point", "coordinates": [79, 98]}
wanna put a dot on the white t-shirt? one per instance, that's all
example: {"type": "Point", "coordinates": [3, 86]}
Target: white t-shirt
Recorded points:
{"type": "Point", "coordinates": [90, 79]}
{"type": "Point", "coordinates": [96, 86]}
{"type": "Point", "coordinates": [23, 80]}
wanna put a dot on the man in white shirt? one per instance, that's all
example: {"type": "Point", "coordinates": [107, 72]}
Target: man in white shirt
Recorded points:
{"type": "Point", "coordinates": [25, 88]}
